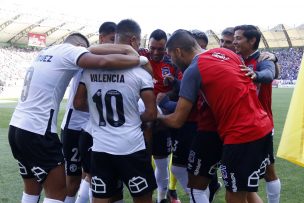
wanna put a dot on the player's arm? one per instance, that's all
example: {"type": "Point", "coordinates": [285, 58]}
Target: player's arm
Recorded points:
{"type": "Point", "coordinates": [149, 101]}
{"type": "Point", "coordinates": [271, 57]}
{"type": "Point", "coordinates": [265, 72]}
{"type": "Point", "coordinates": [164, 102]}
{"type": "Point", "coordinates": [188, 94]}
{"type": "Point", "coordinates": [180, 115]}
{"type": "Point", "coordinates": [80, 100]}
{"type": "Point", "coordinates": [89, 60]}
{"type": "Point", "coordinates": [104, 49]}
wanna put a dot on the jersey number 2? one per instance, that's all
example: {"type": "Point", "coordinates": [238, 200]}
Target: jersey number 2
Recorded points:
{"type": "Point", "coordinates": [97, 99]}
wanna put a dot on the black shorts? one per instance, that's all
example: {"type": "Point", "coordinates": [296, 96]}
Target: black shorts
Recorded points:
{"type": "Point", "coordinates": [70, 144]}
{"type": "Point", "coordinates": [161, 142]}
{"type": "Point", "coordinates": [134, 170]}
{"type": "Point", "coordinates": [205, 154]}
{"type": "Point", "coordinates": [243, 165]}
{"type": "Point", "coordinates": [181, 143]}
{"type": "Point", "coordinates": [270, 152]}
{"type": "Point", "coordinates": [37, 154]}
{"type": "Point", "coordinates": [85, 148]}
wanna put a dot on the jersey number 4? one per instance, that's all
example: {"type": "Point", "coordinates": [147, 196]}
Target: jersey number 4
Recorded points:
{"type": "Point", "coordinates": [97, 99]}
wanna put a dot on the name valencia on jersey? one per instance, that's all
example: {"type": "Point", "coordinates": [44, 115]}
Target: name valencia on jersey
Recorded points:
{"type": "Point", "coordinates": [117, 78]}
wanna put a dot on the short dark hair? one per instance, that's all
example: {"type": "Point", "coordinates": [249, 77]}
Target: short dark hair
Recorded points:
{"type": "Point", "coordinates": [181, 39]}
{"type": "Point", "coordinates": [197, 34]}
{"type": "Point", "coordinates": [250, 32]}
{"type": "Point", "coordinates": [107, 28]}
{"type": "Point", "coordinates": [158, 35]}
{"type": "Point", "coordinates": [228, 31]}
{"type": "Point", "coordinates": [128, 27]}
{"type": "Point", "coordinates": [69, 38]}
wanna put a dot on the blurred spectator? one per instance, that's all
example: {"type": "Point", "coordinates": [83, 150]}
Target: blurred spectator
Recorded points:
{"type": "Point", "coordinates": [14, 62]}
{"type": "Point", "coordinates": [290, 60]}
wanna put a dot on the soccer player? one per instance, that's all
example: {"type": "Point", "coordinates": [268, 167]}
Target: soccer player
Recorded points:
{"type": "Point", "coordinates": [227, 37]}
{"type": "Point", "coordinates": [32, 131]}
{"type": "Point", "coordinates": [201, 38]}
{"type": "Point", "coordinates": [73, 123]}
{"type": "Point", "coordinates": [106, 35]}
{"type": "Point", "coordinates": [243, 125]}
{"type": "Point", "coordinates": [161, 136]}
{"type": "Point", "coordinates": [117, 137]}
{"type": "Point", "coordinates": [107, 32]}
{"type": "Point", "coordinates": [246, 42]}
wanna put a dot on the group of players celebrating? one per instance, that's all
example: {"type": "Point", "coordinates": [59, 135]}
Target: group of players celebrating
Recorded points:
{"type": "Point", "coordinates": [210, 109]}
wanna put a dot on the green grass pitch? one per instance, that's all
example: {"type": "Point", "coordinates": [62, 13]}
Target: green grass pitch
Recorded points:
{"type": "Point", "coordinates": [291, 175]}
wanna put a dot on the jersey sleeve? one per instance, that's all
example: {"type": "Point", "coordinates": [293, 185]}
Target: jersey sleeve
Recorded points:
{"type": "Point", "coordinates": [72, 56]}
{"type": "Point", "coordinates": [265, 71]}
{"type": "Point", "coordinates": [146, 80]}
{"type": "Point", "coordinates": [191, 83]}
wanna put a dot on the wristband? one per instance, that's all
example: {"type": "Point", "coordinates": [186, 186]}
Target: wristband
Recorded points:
{"type": "Point", "coordinates": [143, 60]}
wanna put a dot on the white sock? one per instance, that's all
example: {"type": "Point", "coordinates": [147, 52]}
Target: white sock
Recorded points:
{"type": "Point", "coordinates": [83, 192]}
{"type": "Point", "coordinates": [273, 189]}
{"type": "Point", "coordinates": [181, 175]}
{"type": "Point", "coordinates": [48, 200]}
{"type": "Point", "coordinates": [26, 198]}
{"type": "Point", "coordinates": [90, 195]}
{"type": "Point", "coordinates": [162, 177]}
{"type": "Point", "coordinates": [69, 199]}
{"type": "Point", "coordinates": [198, 196]}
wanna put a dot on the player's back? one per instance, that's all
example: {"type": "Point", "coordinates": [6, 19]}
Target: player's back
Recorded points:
{"type": "Point", "coordinates": [232, 97]}
{"type": "Point", "coordinates": [114, 114]}
{"type": "Point", "coordinates": [44, 86]}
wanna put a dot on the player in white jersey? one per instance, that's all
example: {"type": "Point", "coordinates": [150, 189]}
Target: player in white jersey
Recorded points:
{"type": "Point", "coordinates": [32, 132]}
{"type": "Point", "coordinates": [119, 151]}
{"type": "Point", "coordinates": [73, 123]}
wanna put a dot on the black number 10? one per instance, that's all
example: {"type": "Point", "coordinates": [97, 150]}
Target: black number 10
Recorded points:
{"type": "Point", "coordinates": [97, 99]}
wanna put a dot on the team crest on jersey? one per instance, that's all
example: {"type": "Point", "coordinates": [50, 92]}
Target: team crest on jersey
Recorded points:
{"type": "Point", "coordinates": [137, 184]}
{"type": "Point", "coordinates": [165, 71]}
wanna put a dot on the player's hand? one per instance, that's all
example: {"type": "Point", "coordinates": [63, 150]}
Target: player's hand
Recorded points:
{"type": "Point", "coordinates": [248, 72]}
{"type": "Point", "coordinates": [168, 80]}
{"type": "Point", "coordinates": [160, 97]}
{"type": "Point", "coordinates": [267, 56]}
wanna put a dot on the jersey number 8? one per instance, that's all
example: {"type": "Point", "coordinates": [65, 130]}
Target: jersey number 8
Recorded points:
{"type": "Point", "coordinates": [26, 84]}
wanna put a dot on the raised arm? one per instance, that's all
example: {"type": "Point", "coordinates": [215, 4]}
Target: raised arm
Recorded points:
{"type": "Point", "coordinates": [104, 49]}
{"type": "Point", "coordinates": [89, 60]}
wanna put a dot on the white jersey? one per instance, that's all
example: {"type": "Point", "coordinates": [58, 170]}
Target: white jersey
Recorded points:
{"type": "Point", "coordinates": [114, 114]}
{"type": "Point", "coordinates": [44, 86]}
{"type": "Point", "coordinates": [74, 119]}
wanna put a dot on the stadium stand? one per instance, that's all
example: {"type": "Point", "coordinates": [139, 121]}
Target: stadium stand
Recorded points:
{"type": "Point", "coordinates": [15, 28]}
{"type": "Point", "coordinates": [289, 60]}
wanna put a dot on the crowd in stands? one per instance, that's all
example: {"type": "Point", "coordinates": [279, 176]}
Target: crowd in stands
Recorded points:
{"type": "Point", "coordinates": [290, 60]}
{"type": "Point", "coordinates": [14, 62]}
